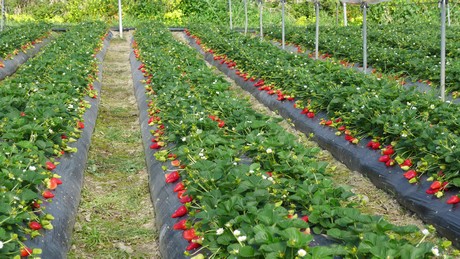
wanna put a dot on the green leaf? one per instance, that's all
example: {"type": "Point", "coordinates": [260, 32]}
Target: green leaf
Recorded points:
{"type": "Point", "coordinates": [247, 251]}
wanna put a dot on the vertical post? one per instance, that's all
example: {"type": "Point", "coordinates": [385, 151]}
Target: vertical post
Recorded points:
{"type": "Point", "coordinates": [120, 19]}
{"type": "Point", "coordinates": [261, 19]}
{"type": "Point", "coordinates": [245, 17]}
{"type": "Point", "coordinates": [345, 20]}
{"type": "Point", "coordinates": [2, 22]}
{"type": "Point", "coordinates": [364, 37]}
{"type": "Point", "coordinates": [443, 50]}
{"type": "Point", "coordinates": [317, 29]}
{"type": "Point", "coordinates": [282, 25]}
{"type": "Point", "coordinates": [230, 11]}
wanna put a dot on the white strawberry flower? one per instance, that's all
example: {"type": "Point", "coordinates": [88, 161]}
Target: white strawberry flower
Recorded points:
{"type": "Point", "coordinates": [301, 253]}
{"type": "Point", "coordinates": [269, 151]}
{"type": "Point", "coordinates": [425, 232]}
{"type": "Point", "coordinates": [1, 244]}
{"type": "Point", "coordinates": [236, 232]}
{"type": "Point", "coordinates": [219, 231]}
{"type": "Point", "coordinates": [242, 238]}
{"type": "Point", "coordinates": [435, 251]}
{"type": "Point", "coordinates": [32, 168]}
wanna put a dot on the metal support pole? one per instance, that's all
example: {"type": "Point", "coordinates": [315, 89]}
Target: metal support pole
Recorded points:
{"type": "Point", "coordinates": [120, 19]}
{"type": "Point", "coordinates": [317, 29]}
{"type": "Point", "coordinates": [245, 17]}
{"type": "Point", "coordinates": [2, 22]}
{"type": "Point", "coordinates": [345, 21]}
{"type": "Point", "coordinates": [230, 11]}
{"type": "Point", "coordinates": [443, 50]}
{"type": "Point", "coordinates": [261, 19]}
{"type": "Point", "coordinates": [282, 25]}
{"type": "Point", "coordinates": [365, 37]}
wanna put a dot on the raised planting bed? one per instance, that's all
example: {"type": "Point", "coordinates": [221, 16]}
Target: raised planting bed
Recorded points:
{"type": "Point", "coordinates": [408, 181]}
{"type": "Point", "coordinates": [248, 188]}
{"type": "Point", "coordinates": [44, 113]}
{"type": "Point", "coordinates": [411, 50]}
{"type": "Point", "coordinates": [20, 43]}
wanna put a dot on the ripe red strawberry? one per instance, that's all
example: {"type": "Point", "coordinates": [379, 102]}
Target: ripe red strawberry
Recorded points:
{"type": "Point", "coordinates": [338, 120]}
{"type": "Point", "coordinates": [453, 200]}
{"type": "Point", "coordinates": [270, 174]}
{"type": "Point", "coordinates": [375, 145]}
{"type": "Point", "coordinates": [47, 194]}
{"type": "Point", "coordinates": [189, 234]}
{"type": "Point", "coordinates": [181, 225]}
{"type": "Point", "coordinates": [50, 166]}
{"type": "Point", "coordinates": [185, 199]}
{"type": "Point", "coordinates": [341, 128]}
{"type": "Point", "coordinates": [34, 225]}
{"type": "Point", "coordinates": [388, 151]}
{"type": "Point", "coordinates": [304, 111]}
{"type": "Point", "coordinates": [192, 246]}
{"type": "Point", "coordinates": [384, 158]}
{"type": "Point", "coordinates": [436, 185]}
{"type": "Point", "coordinates": [390, 162]}
{"type": "Point", "coordinates": [328, 123]}
{"type": "Point", "coordinates": [25, 251]}
{"type": "Point", "coordinates": [155, 145]}
{"type": "Point", "coordinates": [181, 211]}
{"type": "Point", "coordinates": [410, 174]}
{"type": "Point", "coordinates": [221, 124]}
{"type": "Point", "coordinates": [179, 187]}
{"type": "Point", "coordinates": [172, 177]}
{"type": "Point", "coordinates": [310, 115]}
{"type": "Point", "coordinates": [63, 136]}
{"type": "Point", "coordinates": [348, 137]}
{"type": "Point", "coordinates": [431, 191]}
{"type": "Point", "coordinates": [23, 114]}
{"type": "Point", "coordinates": [80, 125]}
{"type": "Point", "coordinates": [304, 218]}
{"type": "Point", "coordinates": [172, 156]}
{"type": "Point", "coordinates": [180, 194]}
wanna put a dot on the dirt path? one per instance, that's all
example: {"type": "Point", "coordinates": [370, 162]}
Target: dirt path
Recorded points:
{"type": "Point", "coordinates": [115, 218]}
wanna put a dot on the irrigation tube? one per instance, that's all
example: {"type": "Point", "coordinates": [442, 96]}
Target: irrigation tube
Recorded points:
{"type": "Point", "coordinates": [317, 29]}
{"type": "Point", "coordinates": [282, 24]}
{"type": "Point", "coordinates": [230, 10]}
{"type": "Point", "coordinates": [364, 38]}
{"type": "Point", "coordinates": [345, 14]}
{"type": "Point", "coordinates": [443, 50]}
{"type": "Point", "coordinates": [261, 19]}
{"type": "Point", "coordinates": [120, 19]}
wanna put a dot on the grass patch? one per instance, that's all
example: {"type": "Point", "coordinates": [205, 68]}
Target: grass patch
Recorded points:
{"type": "Point", "coordinates": [115, 217]}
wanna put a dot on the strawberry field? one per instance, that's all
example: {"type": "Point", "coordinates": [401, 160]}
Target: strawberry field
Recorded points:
{"type": "Point", "coordinates": [159, 142]}
{"type": "Point", "coordinates": [411, 51]}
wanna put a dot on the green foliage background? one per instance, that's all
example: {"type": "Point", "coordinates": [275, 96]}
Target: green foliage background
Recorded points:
{"type": "Point", "coordinates": [181, 12]}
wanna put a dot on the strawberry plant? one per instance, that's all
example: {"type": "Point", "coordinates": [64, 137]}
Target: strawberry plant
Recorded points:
{"type": "Point", "coordinates": [411, 50]}
{"type": "Point", "coordinates": [41, 107]}
{"type": "Point", "coordinates": [417, 125]}
{"type": "Point", "coordinates": [255, 191]}
{"type": "Point", "coordinates": [21, 38]}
